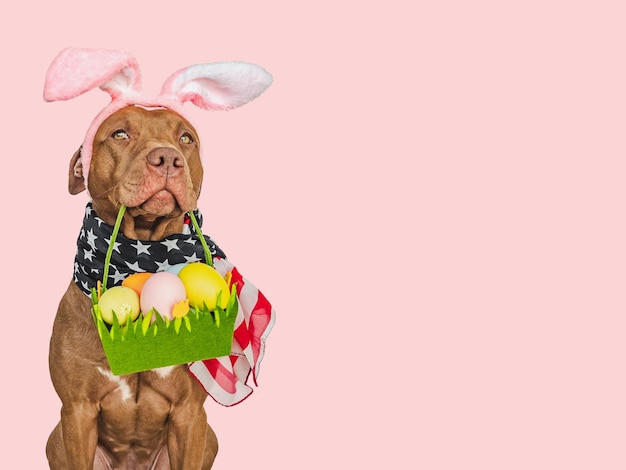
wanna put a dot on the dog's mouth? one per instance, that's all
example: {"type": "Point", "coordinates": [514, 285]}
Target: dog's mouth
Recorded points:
{"type": "Point", "coordinates": [161, 203]}
{"type": "Point", "coordinates": [165, 200]}
{"type": "Point", "coordinates": [151, 213]}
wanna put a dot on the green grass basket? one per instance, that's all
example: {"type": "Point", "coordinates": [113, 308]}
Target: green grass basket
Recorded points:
{"type": "Point", "coordinates": [142, 345]}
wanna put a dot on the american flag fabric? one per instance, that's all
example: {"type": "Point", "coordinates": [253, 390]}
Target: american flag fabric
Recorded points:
{"type": "Point", "coordinates": [225, 379]}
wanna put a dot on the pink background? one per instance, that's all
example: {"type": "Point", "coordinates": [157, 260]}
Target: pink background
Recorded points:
{"type": "Point", "coordinates": [431, 194]}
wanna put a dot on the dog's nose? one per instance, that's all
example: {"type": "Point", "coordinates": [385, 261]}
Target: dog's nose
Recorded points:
{"type": "Point", "coordinates": [166, 160]}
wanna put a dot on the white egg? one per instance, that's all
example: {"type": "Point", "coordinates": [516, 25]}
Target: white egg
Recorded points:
{"type": "Point", "coordinates": [161, 292]}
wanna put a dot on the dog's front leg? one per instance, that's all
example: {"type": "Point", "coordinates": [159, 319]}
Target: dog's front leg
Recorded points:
{"type": "Point", "coordinates": [186, 439]}
{"type": "Point", "coordinates": [79, 423]}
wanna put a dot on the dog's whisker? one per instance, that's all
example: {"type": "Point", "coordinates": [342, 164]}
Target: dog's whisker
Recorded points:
{"type": "Point", "coordinates": [105, 191]}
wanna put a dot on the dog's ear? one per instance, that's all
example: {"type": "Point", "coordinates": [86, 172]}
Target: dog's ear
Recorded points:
{"type": "Point", "coordinates": [75, 71]}
{"type": "Point", "coordinates": [220, 85]}
{"type": "Point", "coordinates": [76, 182]}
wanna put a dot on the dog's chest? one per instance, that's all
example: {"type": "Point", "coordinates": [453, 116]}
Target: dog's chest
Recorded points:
{"type": "Point", "coordinates": [135, 406]}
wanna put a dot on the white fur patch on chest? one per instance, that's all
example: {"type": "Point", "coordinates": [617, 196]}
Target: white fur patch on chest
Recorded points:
{"type": "Point", "coordinates": [122, 385]}
{"type": "Point", "coordinates": [163, 372]}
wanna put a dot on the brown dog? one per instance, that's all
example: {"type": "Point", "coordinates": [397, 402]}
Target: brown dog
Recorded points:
{"type": "Point", "coordinates": [149, 161]}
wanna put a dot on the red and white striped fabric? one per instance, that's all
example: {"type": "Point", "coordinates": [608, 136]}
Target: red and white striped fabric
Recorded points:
{"type": "Point", "coordinates": [225, 378]}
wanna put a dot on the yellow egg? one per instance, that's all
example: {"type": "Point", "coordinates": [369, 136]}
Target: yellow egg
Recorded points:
{"type": "Point", "coordinates": [122, 300]}
{"type": "Point", "coordinates": [203, 284]}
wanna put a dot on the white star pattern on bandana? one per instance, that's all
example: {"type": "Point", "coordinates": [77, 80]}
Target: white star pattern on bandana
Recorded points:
{"type": "Point", "coordinates": [91, 239]}
{"type": "Point", "coordinates": [141, 248]}
{"type": "Point", "coordinates": [132, 256]}
{"type": "Point", "coordinates": [170, 244]}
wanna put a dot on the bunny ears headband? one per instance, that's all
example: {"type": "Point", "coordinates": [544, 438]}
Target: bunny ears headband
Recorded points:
{"type": "Point", "coordinates": [215, 86]}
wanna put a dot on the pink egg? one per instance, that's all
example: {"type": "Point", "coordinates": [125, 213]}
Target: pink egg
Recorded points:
{"type": "Point", "coordinates": [162, 291]}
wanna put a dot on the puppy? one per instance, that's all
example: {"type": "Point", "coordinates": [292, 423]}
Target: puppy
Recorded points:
{"type": "Point", "coordinates": [147, 160]}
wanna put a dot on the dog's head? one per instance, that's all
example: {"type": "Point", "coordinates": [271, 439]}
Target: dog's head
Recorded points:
{"type": "Point", "coordinates": [147, 160]}
{"type": "Point", "coordinates": [140, 151]}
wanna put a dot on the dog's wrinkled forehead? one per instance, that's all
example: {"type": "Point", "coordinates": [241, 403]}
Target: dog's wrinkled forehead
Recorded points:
{"type": "Point", "coordinates": [214, 86]}
{"type": "Point", "coordinates": [144, 121]}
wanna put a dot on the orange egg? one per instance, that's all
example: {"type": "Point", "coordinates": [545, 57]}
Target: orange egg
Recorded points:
{"type": "Point", "coordinates": [136, 281]}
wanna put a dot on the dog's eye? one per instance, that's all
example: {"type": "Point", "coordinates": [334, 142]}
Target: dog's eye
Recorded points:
{"type": "Point", "coordinates": [120, 134]}
{"type": "Point", "coordinates": [186, 138]}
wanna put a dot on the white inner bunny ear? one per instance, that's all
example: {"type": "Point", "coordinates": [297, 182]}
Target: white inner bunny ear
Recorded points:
{"type": "Point", "coordinates": [75, 71]}
{"type": "Point", "coordinates": [221, 85]}
{"type": "Point", "coordinates": [121, 82]}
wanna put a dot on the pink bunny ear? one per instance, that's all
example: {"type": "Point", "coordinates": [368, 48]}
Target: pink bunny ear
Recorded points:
{"type": "Point", "coordinates": [220, 85]}
{"type": "Point", "coordinates": [75, 71]}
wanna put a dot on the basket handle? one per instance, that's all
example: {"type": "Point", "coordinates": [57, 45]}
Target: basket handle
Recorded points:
{"type": "Point", "coordinates": [116, 229]}
{"type": "Point", "coordinates": [207, 253]}
{"type": "Point", "coordinates": [107, 259]}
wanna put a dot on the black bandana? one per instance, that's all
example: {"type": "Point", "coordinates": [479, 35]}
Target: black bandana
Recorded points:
{"type": "Point", "coordinates": [132, 256]}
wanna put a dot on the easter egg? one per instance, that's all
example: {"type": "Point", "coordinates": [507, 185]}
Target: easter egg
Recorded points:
{"type": "Point", "coordinates": [176, 268]}
{"type": "Point", "coordinates": [203, 284]}
{"type": "Point", "coordinates": [162, 291]}
{"type": "Point", "coordinates": [136, 281]}
{"type": "Point", "coordinates": [121, 301]}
